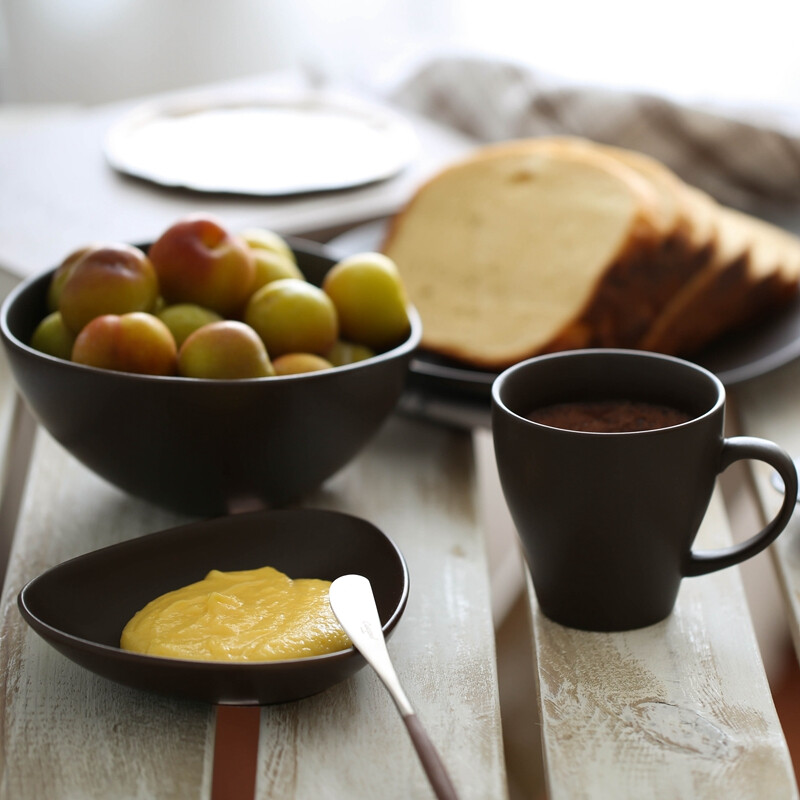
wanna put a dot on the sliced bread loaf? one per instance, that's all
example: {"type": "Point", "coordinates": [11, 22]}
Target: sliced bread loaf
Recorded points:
{"type": "Point", "coordinates": [537, 245]}
{"type": "Point", "coordinates": [515, 252]}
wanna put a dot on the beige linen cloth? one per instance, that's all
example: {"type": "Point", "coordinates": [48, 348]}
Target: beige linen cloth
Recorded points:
{"type": "Point", "coordinates": [746, 158]}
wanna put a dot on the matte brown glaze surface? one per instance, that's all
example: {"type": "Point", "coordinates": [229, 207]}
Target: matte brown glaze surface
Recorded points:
{"type": "Point", "coordinates": [607, 520]}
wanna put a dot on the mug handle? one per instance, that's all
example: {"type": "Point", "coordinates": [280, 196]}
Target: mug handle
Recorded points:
{"type": "Point", "coordinates": [737, 448]}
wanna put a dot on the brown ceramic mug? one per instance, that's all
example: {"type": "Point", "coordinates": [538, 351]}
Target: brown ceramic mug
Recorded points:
{"type": "Point", "coordinates": [607, 520]}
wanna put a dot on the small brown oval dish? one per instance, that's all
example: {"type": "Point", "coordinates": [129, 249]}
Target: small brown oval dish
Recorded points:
{"type": "Point", "coordinates": [81, 606]}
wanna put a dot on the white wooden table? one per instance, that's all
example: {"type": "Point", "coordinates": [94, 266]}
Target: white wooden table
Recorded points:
{"type": "Point", "coordinates": [678, 710]}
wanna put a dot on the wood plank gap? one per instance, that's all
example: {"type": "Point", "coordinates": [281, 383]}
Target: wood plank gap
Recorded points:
{"type": "Point", "coordinates": [235, 753]}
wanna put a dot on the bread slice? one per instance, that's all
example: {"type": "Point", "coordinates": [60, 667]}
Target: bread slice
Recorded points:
{"type": "Point", "coordinates": [516, 251]}
{"type": "Point", "coordinates": [755, 268]}
{"type": "Point", "coordinates": [651, 179]}
{"type": "Point", "coordinates": [684, 215]}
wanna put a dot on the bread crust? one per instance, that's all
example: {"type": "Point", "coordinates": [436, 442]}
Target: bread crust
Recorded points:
{"type": "Point", "coordinates": [754, 270]}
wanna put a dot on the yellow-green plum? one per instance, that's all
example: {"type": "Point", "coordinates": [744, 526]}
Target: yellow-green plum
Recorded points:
{"type": "Point", "coordinates": [185, 318]}
{"type": "Point", "coordinates": [62, 273]}
{"type": "Point", "coordinates": [273, 257]}
{"type": "Point", "coordinates": [53, 337]}
{"type": "Point", "coordinates": [293, 316]}
{"type": "Point", "coordinates": [297, 363]}
{"type": "Point", "coordinates": [134, 342]}
{"type": "Point", "coordinates": [226, 350]}
{"type": "Point", "coordinates": [265, 239]}
{"type": "Point", "coordinates": [199, 261]}
{"type": "Point", "coordinates": [348, 353]}
{"type": "Point", "coordinates": [112, 279]}
{"type": "Point", "coordinates": [370, 300]}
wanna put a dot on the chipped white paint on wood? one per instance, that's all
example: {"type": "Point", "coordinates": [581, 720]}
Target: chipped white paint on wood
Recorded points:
{"type": "Point", "coordinates": [65, 732]}
{"type": "Point", "coordinates": [416, 482]}
{"type": "Point", "coordinates": [770, 407]}
{"type": "Point", "coordinates": [681, 709]}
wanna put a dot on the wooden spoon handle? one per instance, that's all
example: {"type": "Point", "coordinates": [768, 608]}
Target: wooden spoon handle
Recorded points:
{"type": "Point", "coordinates": [429, 757]}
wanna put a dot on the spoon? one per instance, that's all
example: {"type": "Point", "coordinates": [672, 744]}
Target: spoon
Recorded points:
{"type": "Point", "coordinates": [353, 604]}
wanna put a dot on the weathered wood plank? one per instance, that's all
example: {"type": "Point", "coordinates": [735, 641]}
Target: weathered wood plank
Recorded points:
{"type": "Point", "coordinates": [681, 709]}
{"type": "Point", "coordinates": [8, 394]}
{"type": "Point", "coordinates": [101, 740]}
{"type": "Point", "coordinates": [15, 443]}
{"type": "Point", "coordinates": [770, 407]}
{"type": "Point", "coordinates": [417, 483]}
{"type": "Point", "coordinates": [8, 406]}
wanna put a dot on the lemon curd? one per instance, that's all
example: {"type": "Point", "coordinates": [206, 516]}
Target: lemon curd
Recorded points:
{"type": "Point", "coordinates": [250, 615]}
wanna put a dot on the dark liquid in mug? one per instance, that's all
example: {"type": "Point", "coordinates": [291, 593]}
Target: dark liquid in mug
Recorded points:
{"type": "Point", "coordinates": [608, 416]}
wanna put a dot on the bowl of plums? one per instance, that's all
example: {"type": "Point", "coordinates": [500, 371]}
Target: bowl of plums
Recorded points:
{"type": "Point", "coordinates": [212, 368]}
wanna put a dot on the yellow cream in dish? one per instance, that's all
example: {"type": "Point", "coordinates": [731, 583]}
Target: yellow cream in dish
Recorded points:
{"type": "Point", "coordinates": [251, 615]}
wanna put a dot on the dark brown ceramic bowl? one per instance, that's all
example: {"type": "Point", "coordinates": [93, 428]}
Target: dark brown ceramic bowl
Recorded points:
{"type": "Point", "coordinates": [81, 606]}
{"type": "Point", "coordinates": [201, 446]}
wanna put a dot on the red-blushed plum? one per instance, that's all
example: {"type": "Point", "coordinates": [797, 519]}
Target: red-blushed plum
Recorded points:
{"type": "Point", "coordinates": [273, 257]}
{"type": "Point", "coordinates": [226, 350]}
{"type": "Point", "coordinates": [53, 337]}
{"type": "Point", "coordinates": [199, 261]}
{"type": "Point", "coordinates": [134, 342]}
{"type": "Point", "coordinates": [112, 279]}
{"type": "Point", "coordinates": [184, 319]}
{"type": "Point", "coordinates": [370, 300]}
{"type": "Point", "coordinates": [62, 273]}
{"type": "Point", "coordinates": [295, 363]}
{"type": "Point", "coordinates": [293, 316]}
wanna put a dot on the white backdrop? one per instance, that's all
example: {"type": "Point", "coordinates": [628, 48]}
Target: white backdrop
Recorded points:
{"type": "Point", "coordinates": [90, 51]}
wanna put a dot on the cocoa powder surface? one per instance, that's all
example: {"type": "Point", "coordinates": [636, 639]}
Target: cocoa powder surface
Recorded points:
{"type": "Point", "coordinates": [608, 416]}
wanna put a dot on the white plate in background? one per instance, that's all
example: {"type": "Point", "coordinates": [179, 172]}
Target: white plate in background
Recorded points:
{"type": "Point", "coordinates": [279, 145]}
